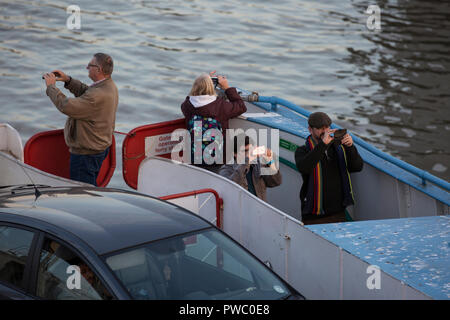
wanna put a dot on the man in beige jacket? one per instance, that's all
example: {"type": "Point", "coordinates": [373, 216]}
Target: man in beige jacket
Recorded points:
{"type": "Point", "coordinates": [91, 116]}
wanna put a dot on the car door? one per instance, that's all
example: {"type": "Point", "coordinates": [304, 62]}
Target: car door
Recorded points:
{"type": "Point", "coordinates": [61, 273]}
{"type": "Point", "coordinates": [17, 245]}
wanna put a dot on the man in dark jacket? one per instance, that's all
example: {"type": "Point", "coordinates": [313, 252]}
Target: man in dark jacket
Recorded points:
{"type": "Point", "coordinates": [325, 164]}
{"type": "Point", "coordinates": [248, 174]}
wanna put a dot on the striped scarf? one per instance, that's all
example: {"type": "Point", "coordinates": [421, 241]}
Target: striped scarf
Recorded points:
{"type": "Point", "coordinates": [314, 196]}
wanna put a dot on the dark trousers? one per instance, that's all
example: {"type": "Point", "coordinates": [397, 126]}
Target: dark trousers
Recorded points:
{"type": "Point", "coordinates": [211, 167]}
{"type": "Point", "coordinates": [85, 168]}
{"type": "Point", "coordinates": [332, 218]}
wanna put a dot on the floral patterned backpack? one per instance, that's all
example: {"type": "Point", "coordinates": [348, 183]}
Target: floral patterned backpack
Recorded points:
{"type": "Point", "coordinates": [200, 129]}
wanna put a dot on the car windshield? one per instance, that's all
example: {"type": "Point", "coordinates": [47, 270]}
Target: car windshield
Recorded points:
{"type": "Point", "coordinates": [204, 265]}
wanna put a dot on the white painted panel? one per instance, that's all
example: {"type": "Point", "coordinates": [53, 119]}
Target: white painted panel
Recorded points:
{"type": "Point", "coordinates": [262, 233]}
{"type": "Point", "coordinates": [413, 294]}
{"type": "Point", "coordinates": [207, 209]}
{"type": "Point", "coordinates": [14, 172]}
{"type": "Point", "coordinates": [10, 141]}
{"type": "Point", "coordinates": [355, 278]}
{"type": "Point", "coordinates": [376, 195]}
{"type": "Point", "coordinates": [422, 204]}
{"type": "Point", "coordinates": [259, 115]}
{"type": "Point", "coordinates": [313, 263]}
{"type": "Point", "coordinates": [189, 203]}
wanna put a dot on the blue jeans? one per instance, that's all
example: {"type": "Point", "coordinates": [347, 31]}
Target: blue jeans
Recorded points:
{"type": "Point", "coordinates": [85, 168]}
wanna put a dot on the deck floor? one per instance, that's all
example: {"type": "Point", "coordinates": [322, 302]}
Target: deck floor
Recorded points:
{"type": "Point", "coordinates": [413, 250]}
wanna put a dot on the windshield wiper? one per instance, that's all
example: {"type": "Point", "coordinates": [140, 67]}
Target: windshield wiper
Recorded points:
{"type": "Point", "coordinates": [36, 187]}
{"type": "Point", "coordinates": [28, 186]}
{"type": "Point", "coordinates": [24, 186]}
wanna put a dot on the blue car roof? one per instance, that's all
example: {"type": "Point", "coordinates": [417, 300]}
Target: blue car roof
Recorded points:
{"type": "Point", "coordinates": [106, 219]}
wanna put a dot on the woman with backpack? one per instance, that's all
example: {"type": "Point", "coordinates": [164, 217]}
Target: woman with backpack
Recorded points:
{"type": "Point", "coordinates": [203, 105]}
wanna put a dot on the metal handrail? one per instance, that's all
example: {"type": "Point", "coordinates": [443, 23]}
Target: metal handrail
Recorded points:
{"type": "Point", "coordinates": [424, 175]}
{"type": "Point", "coordinates": [219, 201]}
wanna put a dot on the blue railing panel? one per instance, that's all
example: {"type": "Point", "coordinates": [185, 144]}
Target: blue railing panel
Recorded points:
{"type": "Point", "coordinates": [424, 175]}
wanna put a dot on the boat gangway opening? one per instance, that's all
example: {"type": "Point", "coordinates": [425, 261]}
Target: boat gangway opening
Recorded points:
{"type": "Point", "coordinates": [47, 151]}
{"type": "Point", "coordinates": [190, 200]}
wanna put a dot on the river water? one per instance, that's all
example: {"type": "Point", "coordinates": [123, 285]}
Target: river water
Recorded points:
{"type": "Point", "coordinates": [390, 87]}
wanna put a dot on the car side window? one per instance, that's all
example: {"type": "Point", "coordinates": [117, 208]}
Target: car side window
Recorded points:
{"type": "Point", "coordinates": [15, 246]}
{"type": "Point", "coordinates": [203, 249]}
{"type": "Point", "coordinates": [63, 275]}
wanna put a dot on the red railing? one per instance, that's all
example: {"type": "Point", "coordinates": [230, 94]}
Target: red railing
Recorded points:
{"type": "Point", "coordinates": [133, 147]}
{"type": "Point", "coordinates": [47, 151]}
{"type": "Point", "coordinates": [219, 201]}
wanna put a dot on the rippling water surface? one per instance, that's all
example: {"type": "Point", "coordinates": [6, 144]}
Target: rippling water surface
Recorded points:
{"type": "Point", "coordinates": [391, 87]}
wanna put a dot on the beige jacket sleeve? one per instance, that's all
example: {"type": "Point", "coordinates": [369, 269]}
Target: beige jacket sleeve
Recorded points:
{"type": "Point", "coordinates": [76, 87]}
{"type": "Point", "coordinates": [80, 108]}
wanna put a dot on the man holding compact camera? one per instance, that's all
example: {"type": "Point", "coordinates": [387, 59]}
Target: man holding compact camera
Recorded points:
{"type": "Point", "coordinates": [325, 162]}
{"type": "Point", "coordinates": [91, 116]}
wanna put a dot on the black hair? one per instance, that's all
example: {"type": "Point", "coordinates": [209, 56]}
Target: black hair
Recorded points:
{"type": "Point", "coordinates": [319, 120]}
{"type": "Point", "coordinates": [241, 137]}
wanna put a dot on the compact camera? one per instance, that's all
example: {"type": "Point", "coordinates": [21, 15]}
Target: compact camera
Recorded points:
{"type": "Point", "coordinates": [339, 134]}
{"type": "Point", "coordinates": [215, 81]}
{"type": "Point", "coordinates": [56, 75]}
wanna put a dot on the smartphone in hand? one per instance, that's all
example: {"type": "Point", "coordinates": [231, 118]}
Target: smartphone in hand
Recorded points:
{"type": "Point", "coordinates": [56, 75]}
{"type": "Point", "coordinates": [259, 151]}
